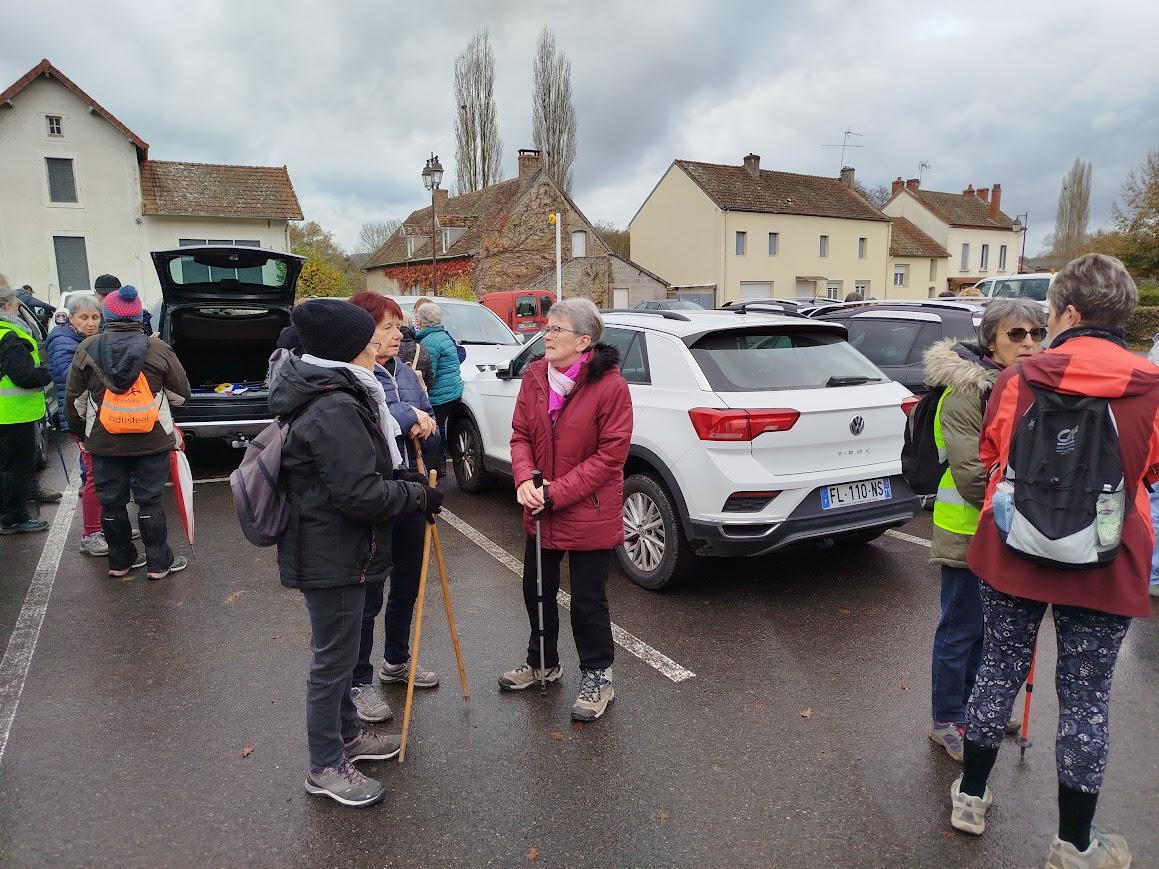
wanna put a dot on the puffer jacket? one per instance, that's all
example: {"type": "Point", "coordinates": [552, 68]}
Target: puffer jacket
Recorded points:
{"type": "Point", "coordinates": [582, 456]}
{"type": "Point", "coordinates": [446, 384]}
{"type": "Point", "coordinates": [344, 500]}
{"type": "Point", "coordinates": [403, 394]}
{"type": "Point", "coordinates": [113, 360]}
{"type": "Point", "coordinates": [61, 348]}
{"type": "Point", "coordinates": [963, 368]}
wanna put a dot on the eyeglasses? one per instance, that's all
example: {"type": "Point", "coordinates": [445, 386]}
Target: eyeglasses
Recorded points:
{"type": "Point", "coordinates": [1019, 335]}
{"type": "Point", "coordinates": [555, 330]}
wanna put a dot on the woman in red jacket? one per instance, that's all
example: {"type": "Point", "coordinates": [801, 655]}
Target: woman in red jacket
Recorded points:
{"type": "Point", "coordinates": [573, 422]}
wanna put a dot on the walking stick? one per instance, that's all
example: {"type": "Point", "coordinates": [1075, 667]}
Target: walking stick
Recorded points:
{"type": "Point", "coordinates": [444, 581]}
{"type": "Point", "coordinates": [414, 652]}
{"type": "Point", "coordinates": [1023, 741]}
{"type": "Point", "coordinates": [537, 481]}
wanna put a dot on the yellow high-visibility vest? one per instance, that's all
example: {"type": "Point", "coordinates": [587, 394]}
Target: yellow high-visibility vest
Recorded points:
{"type": "Point", "coordinates": [16, 403]}
{"type": "Point", "coordinates": [951, 510]}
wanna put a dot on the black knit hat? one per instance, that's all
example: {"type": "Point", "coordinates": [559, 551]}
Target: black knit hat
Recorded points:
{"type": "Point", "coordinates": [333, 329]}
{"type": "Point", "coordinates": [105, 284]}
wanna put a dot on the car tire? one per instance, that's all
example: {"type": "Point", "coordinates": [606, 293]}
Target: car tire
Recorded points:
{"type": "Point", "coordinates": [466, 451]}
{"type": "Point", "coordinates": [862, 538]}
{"type": "Point", "coordinates": [658, 557]}
{"type": "Point", "coordinates": [41, 446]}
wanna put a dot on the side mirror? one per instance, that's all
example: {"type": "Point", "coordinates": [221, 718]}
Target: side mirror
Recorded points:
{"type": "Point", "coordinates": [521, 337]}
{"type": "Point", "coordinates": [503, 373]}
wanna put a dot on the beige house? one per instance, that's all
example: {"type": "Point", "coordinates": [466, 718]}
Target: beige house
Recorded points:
{"type": "Point", "coordinates": [980, 239]}
{"type": "Point", "coordinates": [720, 233]}
{"type": "Point", "coordinates": [499, 238]}
{"type": "Point", "coordinates": [917, 264]}
{"type": "Point", "coordinates": [79, 195]}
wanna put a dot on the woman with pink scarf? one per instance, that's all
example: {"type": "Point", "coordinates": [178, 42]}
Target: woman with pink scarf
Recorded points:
{"type": "Point", "coordinates": [573, 422]}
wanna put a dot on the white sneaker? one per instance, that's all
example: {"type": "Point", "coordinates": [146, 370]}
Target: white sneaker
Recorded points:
{"type": "Point", "coordinates": [370, 705]}
{"type": "Point", "coordinates": [95, 545]}
{"type": "Point", "coordinates": [595, 694]}
{"type": "Point", "coordinates": [1106, 851]}
{"type": "Point", "coordinates": [969, 813]}
{"type": "Point", "coordinates": [524, 676]}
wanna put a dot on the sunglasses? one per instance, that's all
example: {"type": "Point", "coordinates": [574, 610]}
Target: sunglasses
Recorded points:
{"type": "Point", "coordinates": [1019, 335]}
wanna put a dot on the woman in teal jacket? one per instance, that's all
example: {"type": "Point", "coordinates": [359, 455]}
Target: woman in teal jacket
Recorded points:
{"type": "Point", "coordinates": [446, 386]}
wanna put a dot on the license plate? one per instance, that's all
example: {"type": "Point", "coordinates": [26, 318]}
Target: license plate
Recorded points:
{"type": "Point", "coordinates": [851, 494]}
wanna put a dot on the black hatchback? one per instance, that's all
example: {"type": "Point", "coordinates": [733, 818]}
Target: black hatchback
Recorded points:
{"type": "Point", "coordinates": [895, 335]}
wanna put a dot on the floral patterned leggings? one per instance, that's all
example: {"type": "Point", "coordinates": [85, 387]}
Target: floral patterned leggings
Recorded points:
{"type": "Point", "coordinates": [1088, 646]}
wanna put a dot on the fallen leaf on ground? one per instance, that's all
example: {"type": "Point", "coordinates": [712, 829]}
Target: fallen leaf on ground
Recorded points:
{"type": "Point", "coordinates": [247, 751]}
{"type": "Point", "coordinates": [807, 712]}
{"type": "Point", "coordinates": [577, 725]}
{"type": "Point", "coordinates": [663, 816]}
{"type": "Point", "coordinates": [904, 686]}
{"type": "Point", "coordinates": [533, 854]}
{"type": "Point", "coordinates": [845, 611]}
{"type": "Point", "coordinates": [233, 597]}
{"type": "Point", "coordinates": [947, 834]}
{"type": "Point", "coordinates": [758, 706]}
{"type": "Point", "coordinates": [558, 736]}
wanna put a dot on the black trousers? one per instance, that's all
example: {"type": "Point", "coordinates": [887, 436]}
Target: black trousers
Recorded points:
{"type": "Point", "coordinates": [17, 470]}
{"type": "Point", "coordinates": [591, 622]}
{"type": "Point", "coordinates": [145, 478]}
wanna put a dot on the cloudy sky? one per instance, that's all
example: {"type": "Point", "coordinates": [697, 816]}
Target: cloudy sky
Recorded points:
{"type": "Point", "coordinates": [353, 96]}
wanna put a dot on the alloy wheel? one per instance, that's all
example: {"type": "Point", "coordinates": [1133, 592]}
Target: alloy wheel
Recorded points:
{"type": "Point", "coordinates": [644, 537]}
{"type": "Point", "coordinates": [466, 451]}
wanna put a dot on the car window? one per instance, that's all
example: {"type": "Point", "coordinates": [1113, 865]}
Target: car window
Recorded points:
{"type": "Point", "coordinates": [633, 354]}
{"type": "Point", "coordinates": [1031, 288]}
{"type": "Point", "coordinates": [526, 356]}
{"type": "Point", "coordinates": [764, 358]}
{"type": "Point", "coordinates": [525, 306]}
{"type": "Point", "coordinates": [228, 267]}
{"type": "Point", "coordinates": [544, 305]}
{"type": "Point", "coordinates": [885, 342]}
{"type": "Point", "coordinates": [470, 324]}
{"type": "Point", "coordinates": [929, 335]}
{"type": "Point", "coordinates": [33, 324]}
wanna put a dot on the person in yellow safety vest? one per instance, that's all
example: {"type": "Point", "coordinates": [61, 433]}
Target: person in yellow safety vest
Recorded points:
{"type": "Point", "coordinates": [22, 382]}
{"type": "Point", "coordinates": [1011, 330]}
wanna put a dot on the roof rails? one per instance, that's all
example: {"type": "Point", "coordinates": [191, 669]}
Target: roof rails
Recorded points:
{"type": "Point", "coordinates": [667, 315]}
{"type": "Point", "coordinates": [786, 307]}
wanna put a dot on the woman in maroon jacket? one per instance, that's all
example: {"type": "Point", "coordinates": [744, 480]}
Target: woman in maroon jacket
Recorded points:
{"type": "Point", "coordinates": [573, 422]}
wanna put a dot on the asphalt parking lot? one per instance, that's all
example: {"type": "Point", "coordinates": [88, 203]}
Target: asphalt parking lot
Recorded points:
{"type": "Point", "coordinates": [770, 713]}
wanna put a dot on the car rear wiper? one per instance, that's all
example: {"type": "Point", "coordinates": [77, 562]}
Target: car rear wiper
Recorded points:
{"type": "Point", "coordinates": [850, 380]}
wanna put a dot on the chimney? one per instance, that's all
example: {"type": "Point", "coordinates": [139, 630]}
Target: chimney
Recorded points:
{"type": "Point", "coordinates": [898, 184]}
{"type": "Point", "coordinates": [969, 191]}
{"type": "Point", "coordinates": [996, 202]}
{"type": "Point", "coordinates": [441, 197]}
{"type": "Point", "coordinates": [983, 193]}
{"type": "Point", "coordinates": [847, 176]}
{"type": "Point", "coordinates": [752, 165]}
{"type": "Point", "coordinates": [530, 162]}
{"type": "Point", "coordinates": [913, 184]}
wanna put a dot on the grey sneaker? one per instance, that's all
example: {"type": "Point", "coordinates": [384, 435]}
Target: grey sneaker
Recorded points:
{"type": "Point", "coordinates": [1106, 851]}
{"type": "Point", "coordinates": [949, 736]}
{"type": "Point", "coordinates": [594, 696]}
{"type": "Point", "coordinates": [178, 565]}
{"type": "Point", "coordinates": [1154, 589]}
{"type": "Point", "coordinates": [369, 745]}
{"type": "Point", "coordinates": [524, 676]}
{"type": "Point", "coordinates": [369, 703]}
{"type": "Point", "coordinates": [140, 561]}
{"type": "Point", "coordinates": [94, 545]}
{"type": "Point", "coordinates": [969, 813]}
{"type": "Point", "coordinates": [388, 673]}
{"type": "Point", "coordinates": [346, 785]}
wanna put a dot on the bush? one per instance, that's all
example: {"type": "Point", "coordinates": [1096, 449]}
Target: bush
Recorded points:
{"type": "Point", "coordinates": [319, 278]}
{"type": "Point", "coordinates": [1148, 298]}
{"type": "Point", "coordinates": [1143, 325]}
{"type": "Point", "coordinates": [459, 288]}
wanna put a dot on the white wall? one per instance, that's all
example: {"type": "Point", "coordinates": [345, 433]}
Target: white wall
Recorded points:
{"type": "Point", "coordinates": [960, 235]}
{"type": "Point", "coordinates": [676, 233]}
{"type": "Point", "coordinates": [906, 205]}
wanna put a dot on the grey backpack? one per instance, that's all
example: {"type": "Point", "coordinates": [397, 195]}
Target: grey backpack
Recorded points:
{"type": "Point", "coordinates": [259, 495]}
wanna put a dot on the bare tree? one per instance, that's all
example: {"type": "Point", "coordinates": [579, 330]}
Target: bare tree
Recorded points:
{"type": "Point", "coordinates": [553, 122]}
{"type": "Point", "coordinates": [478, 148]}
{"type": "Point", "coordinates": [375, 232]}
{"type": "Point", "coordinates": [877, 196]}
{"type": "Point", "coordinates": [1074, 208]}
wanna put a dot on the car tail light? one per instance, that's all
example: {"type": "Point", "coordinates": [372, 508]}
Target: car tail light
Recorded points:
{"type": "Point", "coordinates": [908, 404]}
{"type": "Point", "coordinates": [724, 424]}
{"type": "Point", "coordinates": [748, 502]}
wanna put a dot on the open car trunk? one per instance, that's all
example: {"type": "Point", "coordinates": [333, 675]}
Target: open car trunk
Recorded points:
{"type": "Point", "coordinates": [220, 344]}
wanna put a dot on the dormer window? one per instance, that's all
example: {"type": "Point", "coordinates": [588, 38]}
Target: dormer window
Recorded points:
{"type": "Point", "coordinates": [55, 126]}
{"type": "Point", "coordinates": [410, 246]}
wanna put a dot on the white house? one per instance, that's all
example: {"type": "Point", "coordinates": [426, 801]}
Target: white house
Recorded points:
{"type": "Point", "coordinates": [979, 238]}
{"type": "Point", "coordinates": [79, 195]}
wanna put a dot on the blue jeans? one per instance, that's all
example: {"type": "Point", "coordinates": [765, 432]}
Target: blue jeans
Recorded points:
{"type": "Point", "coordinates": [1155, 524]}
{"type": "Point", "coordinates": [957, 645]}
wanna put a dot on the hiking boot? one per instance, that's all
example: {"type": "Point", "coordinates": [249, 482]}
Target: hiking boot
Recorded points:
{"type": "Point", "coordinates": [94, 545]}
{"type": "Point", "coordinates": [369, 745]}
{"type": "Point", "coordinates": [346, 785]}
{"type": "Point", "coordinates": [28, 526]}
{"type": "Point", "coordinates": [524, 676]}
{"type": "Point", "coordinates": [1106, 851]}
{"type": "Point", "coordinates": [594, 696]}
{"type": "Point", "coordinates": [950, 736]}
{"type": "Point", "coordinates": [1014, 725]}
{"type": "Point", "coordinates": [1154, 589]}
{"type": "Point", "coordinates": [44, 496]}
{"type": "Point", "coordinates": [178, 565]}
{"type": "Point", "coordinates": [140, 561]}
{"type": "Point", "coordinates": [388, 673]}
{"type": "Point", "coordinates": [969, 813]}
{"type": "Point", "coordinates": [370, 705]}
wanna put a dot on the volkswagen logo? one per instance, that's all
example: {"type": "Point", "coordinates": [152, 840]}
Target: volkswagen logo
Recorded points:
{"type": "Point", "coordinates": [856, 426]}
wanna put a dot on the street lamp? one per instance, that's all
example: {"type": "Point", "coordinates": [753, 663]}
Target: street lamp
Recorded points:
{"type": "Point", "coordinates": [1021, 224]}
{"type": "Point", "coordinates": [432, 178]}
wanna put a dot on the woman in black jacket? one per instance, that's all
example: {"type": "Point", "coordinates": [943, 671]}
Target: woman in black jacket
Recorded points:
{"type": "Point", "coordinates": [339, 461]}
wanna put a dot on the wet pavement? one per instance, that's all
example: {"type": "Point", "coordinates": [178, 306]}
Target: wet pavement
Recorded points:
{"type": "Point", "coordinates": [800, 741]}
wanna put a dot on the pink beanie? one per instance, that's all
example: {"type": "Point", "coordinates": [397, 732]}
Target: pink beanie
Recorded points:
{"type": "Point", "coordinates": [123, 304]}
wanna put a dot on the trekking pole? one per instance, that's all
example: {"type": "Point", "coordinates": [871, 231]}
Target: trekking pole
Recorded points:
{"type": "Point", "coordinates": [537, 481]}
{"type": "Point", "coordinates": [418, 635]}
{"type": "Point", "coordinates": [1023, 740]}
{"type": "Point", "coordinates": [59, 452]}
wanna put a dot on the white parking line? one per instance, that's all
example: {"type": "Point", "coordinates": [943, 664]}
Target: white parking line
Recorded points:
{"type": "Point", "coordinates": [22, 644]}
{"type": "Point", "coordinates": [909, 538]}
{"type": "Point", "coordinates": [628, 642]}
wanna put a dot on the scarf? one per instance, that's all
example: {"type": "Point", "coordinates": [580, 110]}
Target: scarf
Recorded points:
{"type": "Point", "coordinates": [390, 428]}
{"type": "Point", "coordinates": [560, 384]}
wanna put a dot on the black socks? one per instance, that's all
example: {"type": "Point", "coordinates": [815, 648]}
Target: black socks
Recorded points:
{"type": "Point", "coordinates": [1076, 810]}
{"type": "Point", "coordinates": [977, 762]}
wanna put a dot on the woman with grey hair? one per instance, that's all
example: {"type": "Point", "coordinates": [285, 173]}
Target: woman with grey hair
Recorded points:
{"type": "Point", "coordinates": [1011, 331]}
{"type": "Point", "coordinates": [445, 387]}
{"type": "Point", "coordinates": [573, 425]}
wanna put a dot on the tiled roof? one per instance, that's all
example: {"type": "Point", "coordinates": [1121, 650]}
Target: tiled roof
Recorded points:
{"type": "Point", "coordinates": [908, 240]}
{"type": "Point", "coordinates": [732, 188]}
{"type": "Point", "coordinates": [958, 209]}
{"type": "Point", "coordinates": [212, 190]}
{"type": "Point", "coordinates": [480, 212]}
{"type": "Point", "coordinates": [46, 68]}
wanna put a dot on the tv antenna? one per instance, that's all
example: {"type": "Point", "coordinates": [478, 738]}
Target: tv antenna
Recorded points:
{"type": "Point", "coordinates": [922, 167]}
{"type": "Point", "coordinates": [845, 144]}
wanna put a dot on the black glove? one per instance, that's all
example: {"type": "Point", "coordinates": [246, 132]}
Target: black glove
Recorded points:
{"type": "Point", "coordinates": [431, 503]}
{"type": "Point", "coordinates": [411, 477]}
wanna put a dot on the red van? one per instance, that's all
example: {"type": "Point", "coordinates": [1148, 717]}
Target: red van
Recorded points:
{"type": "Point", "coordinates": [524, 311]}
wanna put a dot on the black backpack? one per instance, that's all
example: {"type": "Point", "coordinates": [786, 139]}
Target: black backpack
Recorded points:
{"type": "Point", "coordinates": [922, 465]}
{"type": "Point", "coordinates": [1062, 500]}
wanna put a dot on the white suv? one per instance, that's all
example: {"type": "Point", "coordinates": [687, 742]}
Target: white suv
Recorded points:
{"type": "Point", "coordinates": [753, 432]}
{"type": "Point", "coordinates": [1028, 286]}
